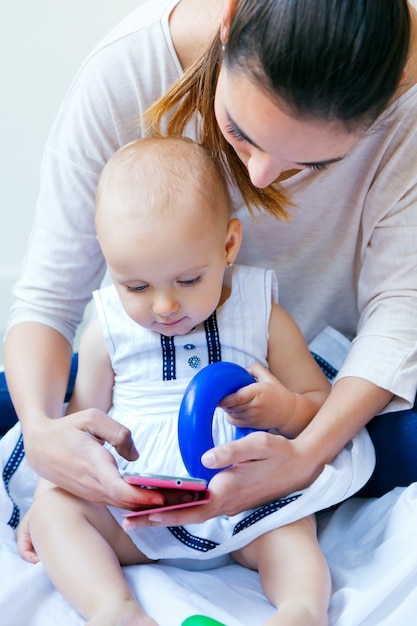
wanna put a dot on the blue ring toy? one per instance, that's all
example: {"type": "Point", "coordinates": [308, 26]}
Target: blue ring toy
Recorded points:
{"type": "Point", "coordinates": [200, 399]}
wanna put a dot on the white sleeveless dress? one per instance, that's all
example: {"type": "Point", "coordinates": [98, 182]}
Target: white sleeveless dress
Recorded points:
{"type": "Point", "coordinates": [151, 375]}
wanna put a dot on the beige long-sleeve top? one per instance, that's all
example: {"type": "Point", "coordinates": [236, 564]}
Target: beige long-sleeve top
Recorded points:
{"type": "Point", "coordinates": [347, 258]}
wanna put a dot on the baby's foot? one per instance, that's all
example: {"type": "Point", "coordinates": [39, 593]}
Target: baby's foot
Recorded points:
{"type": "Point", "coordinates": [126, 614]}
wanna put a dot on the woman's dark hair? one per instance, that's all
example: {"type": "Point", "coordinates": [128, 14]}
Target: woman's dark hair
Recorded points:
{"type": "Point", "coordinates": [327, 60]}
{"type": "Point", "coordinates": [332, 60]}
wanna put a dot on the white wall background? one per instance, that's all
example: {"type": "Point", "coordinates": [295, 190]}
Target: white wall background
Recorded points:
{"type": "Point", "coordinates": [42, 44]}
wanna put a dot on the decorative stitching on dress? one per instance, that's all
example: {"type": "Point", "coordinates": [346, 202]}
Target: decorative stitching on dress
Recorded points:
{"type": "Point", "coordinates": [192, 541]}
{"type": "Point", "coordinates": [168, 358]}
{"type": "Point", "coordinates": [262, 512]}
{"type": "Point", "coordinates": [325, 367]}
{"type": "Point", "coordinates": [10, 468]}
{"type": "Point", "coordinates": [213, 339]}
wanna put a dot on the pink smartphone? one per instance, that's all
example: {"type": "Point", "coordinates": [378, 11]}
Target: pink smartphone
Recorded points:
{"type": "Point", "coordinates": [158, 481]}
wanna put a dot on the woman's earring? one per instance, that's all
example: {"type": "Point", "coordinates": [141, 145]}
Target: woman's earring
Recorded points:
{"type": "Point", "coordinates": [230, 264]}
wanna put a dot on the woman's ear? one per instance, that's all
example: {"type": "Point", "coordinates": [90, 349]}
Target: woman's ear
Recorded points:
{"type": "Point", "coordinates": [229, 9]}
{"type": "Point", "coordinates": [233, 240]}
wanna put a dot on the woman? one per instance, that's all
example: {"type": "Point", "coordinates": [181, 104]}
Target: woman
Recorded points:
{"type": "Point", "coordinates": [294, 88]}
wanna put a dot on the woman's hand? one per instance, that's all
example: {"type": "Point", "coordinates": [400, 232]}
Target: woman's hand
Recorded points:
{"type": "Point", "coordinates": [247, 484]}
{"type": "Point", "coordinates": [69, 452]}
{"type": "Point", "coordinates": [265, 467]}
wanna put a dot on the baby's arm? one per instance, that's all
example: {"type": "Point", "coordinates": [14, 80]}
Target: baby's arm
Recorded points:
{"type": "Point", "coordinates": [286, 397]}
{"type": "Point", "coordinates": [94, 381]}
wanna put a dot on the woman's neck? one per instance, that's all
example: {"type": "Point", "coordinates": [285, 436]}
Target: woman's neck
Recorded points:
{"type": "Point", "coordinates": [410, 72]}
{"type": "Point", "coordinates": [193, 25]}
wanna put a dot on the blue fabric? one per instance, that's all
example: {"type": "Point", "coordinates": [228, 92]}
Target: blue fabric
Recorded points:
{"type": "Point", "coordinates": [8, 472]}
{"type": "Point", "coordinates": [8, 415]}
{"type": "Point", "coordinates": [394, 436]}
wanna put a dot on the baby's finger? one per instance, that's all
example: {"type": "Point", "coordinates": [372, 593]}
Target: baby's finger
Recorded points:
{"type": "Point", "coordinates": [240, 398]}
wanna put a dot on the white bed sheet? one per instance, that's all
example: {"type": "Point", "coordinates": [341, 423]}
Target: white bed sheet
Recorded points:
{"type": "Point", "coordinates": [371, 547]}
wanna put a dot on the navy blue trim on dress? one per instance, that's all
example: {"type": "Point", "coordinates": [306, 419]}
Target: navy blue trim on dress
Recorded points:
{"type": "Point", "coordinates": [205, 545]}
{"type": "Point", "coordinates": [213, 339]}
{"type": "Point", "coordinates": [168, 358]}
{"type": "Point", "coordinates": [192, 541]}
{"type": "Point", "coordinates": [9, 470]}
{"type": "Point", "coordinates": [214, 352]}
{"type": "Point", "coordinates": [327, 369]}
{"type": "Point", "coordinates": [262, 512]}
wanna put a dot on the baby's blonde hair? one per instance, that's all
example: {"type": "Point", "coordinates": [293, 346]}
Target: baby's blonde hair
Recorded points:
{"type": "Point", "coordinates": [147, 176]}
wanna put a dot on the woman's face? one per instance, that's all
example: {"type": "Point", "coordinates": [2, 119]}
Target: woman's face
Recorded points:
{"type": "Point", "coordinates": [267, 139]}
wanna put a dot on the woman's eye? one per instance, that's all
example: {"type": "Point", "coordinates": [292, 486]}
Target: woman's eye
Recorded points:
{"type": "Point", "coordinates": [318, 167]}
{"type": "Point", "coordinates": [191, 281]}
{"type": "Point", "coordinates": [232, 130]}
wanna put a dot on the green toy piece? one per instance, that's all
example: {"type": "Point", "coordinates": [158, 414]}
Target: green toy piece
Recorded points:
{"type": "Point", "coordinates": [201, 620]}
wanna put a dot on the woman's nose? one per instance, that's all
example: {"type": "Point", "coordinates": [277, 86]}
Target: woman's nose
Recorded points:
{"type": "Point", "coordinates": [264, 170]}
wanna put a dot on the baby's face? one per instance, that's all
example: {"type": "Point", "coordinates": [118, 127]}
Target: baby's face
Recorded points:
{"type": "Point", "coordinates": [169, 275]}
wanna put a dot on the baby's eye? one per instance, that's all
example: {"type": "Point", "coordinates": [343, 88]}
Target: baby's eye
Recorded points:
{"type": "Point", "coordinates": [137, 289]}
{"type": "Point", "coordinates": [189, 282]}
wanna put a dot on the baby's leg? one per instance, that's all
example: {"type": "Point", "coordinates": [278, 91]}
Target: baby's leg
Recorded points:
{"type": "Point", "coordinates": [82, 548]}
{"type": "Point", "coordinates": [293, 573]}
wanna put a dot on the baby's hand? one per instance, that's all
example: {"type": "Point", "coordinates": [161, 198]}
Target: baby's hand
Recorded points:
{"type": "Point", "coordinates": [265, 404]}
{"type": "Point", "coordinates": [24, 541]}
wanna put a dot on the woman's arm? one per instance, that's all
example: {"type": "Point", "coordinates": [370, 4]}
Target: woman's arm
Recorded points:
{"type": "Point", "coordinates": [68, 451]}
{"type": "Point", "coordinates": [37, 361]}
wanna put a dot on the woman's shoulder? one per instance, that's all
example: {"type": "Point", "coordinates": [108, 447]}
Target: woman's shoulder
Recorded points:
{"type": "Point", "coordinates": [399, 108]}
{"type": "Point", "coordinates": [148, 15]}
{"type": "Point", "coordinates": [394, 133]}
{"type": "Point", "coordinates": [181, 29]}
{"type": "Point", "coordinates": [128, 70]}
{"type": "Point", "coordinates": [140, 38]}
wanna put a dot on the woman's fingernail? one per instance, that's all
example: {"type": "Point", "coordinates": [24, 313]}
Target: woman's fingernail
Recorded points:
{"type": "Point", "coordinates": [209, 459]}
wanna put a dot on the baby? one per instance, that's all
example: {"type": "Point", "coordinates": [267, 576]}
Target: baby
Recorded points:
{"type": "Point", "coordinates": [177, 302]}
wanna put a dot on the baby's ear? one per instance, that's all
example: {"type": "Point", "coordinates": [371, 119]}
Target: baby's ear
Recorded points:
{"type": "Point", "coordinates": [233, 240]}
